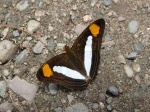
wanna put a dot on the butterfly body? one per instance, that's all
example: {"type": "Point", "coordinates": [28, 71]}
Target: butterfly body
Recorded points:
{"type": "Point", "coordinates": [75, 68]}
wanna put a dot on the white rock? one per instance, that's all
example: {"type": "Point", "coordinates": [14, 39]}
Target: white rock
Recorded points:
{"type": "Point", "coordinates": [87, 18]}
{"type": "Point", "coordinates": [128, 70]}
{"type": "Point", "coordinates": [8, 50]}
{"type": "Point", "coordinates": [60, 46]}
{"type": "Point", "coordinates": [23, 88]}
{"type": "Point", "coordinates": [121, 59]}
{"type": "Point", "coordinates": [32, 25]}
{"type": "Point", "coordinates": [2, 88]}
{"type": "Point", "coordinates": [5, 32]}
{"type": "Point", "coordinates": [93, 2]}
{"type": "Point", "coordinates": [138, 79]}
{"type": "Point", "coordinates": [5, 72]}
{"type": "Point", "coordinates": [39, 45]}
{"type": "Point", "coordinates": [40, 13]}
{"type": "Point", "coordinates": [22, 5]}
{"type": "Point", "coordinates": [133, 26]}
{"type": "Point", "coordinates": [70, 98]}
{"type": "Point", "coordinates": [136, 67]}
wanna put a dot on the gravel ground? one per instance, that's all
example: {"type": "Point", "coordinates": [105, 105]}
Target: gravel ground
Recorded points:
{"type": "Point", "coordinates": [123, 80]}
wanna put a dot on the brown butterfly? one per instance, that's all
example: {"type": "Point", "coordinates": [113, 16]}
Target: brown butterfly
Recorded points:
{"type": "Point", "coordinates": [78, 66]}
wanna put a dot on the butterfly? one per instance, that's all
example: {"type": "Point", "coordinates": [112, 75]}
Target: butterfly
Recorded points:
{"type": "Point", "coordinates": [79, 65]}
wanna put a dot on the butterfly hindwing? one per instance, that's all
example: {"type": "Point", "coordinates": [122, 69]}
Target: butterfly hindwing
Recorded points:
{"type": "Point", "coordinates": [74, 68]}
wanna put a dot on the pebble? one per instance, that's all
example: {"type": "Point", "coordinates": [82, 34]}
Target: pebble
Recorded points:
{"type": "Point", "coordinates": [70, 98]}
{"type": "Point", "coordinates": [87, 18]}
{"type": "Point", "coordinates": [121, 59]}
{"type": "Point", "coordinates": [121, 18]}
{"type": "Point", "coordinates": [102, 97]}
{"type": "Point", "coordinates": [132, 56]}
{"type": "Point", "coordinates": [136, 67]}
{"type": "Point", "coordinates": [5, 72]}
{"type": "Point", "coordinates": [79, 29]}
{"type": "Point", "coordinates": [107, 3]}
{"type": "Point", "coordinates": [50, 28]}
{"type": "Point", "coordinates": [137, 110]}
{"type": "Point", "coordinates": [32, 26]}
{"type": "Point", "coordinates": [138, 79]}
{"type": "Point", "coordinates": [138, 47]}
{"type": "Point", "coordinates": [115, 1]}
{"type": "Point", "coordinates": [39, 45]}
{"type": "Point", "coordinates": [60, 46]}
{"type": "Point", "coordinates": [79, 107]}
{"type": "Point", "coordinates": [95, 105]}
{"type": "Point", "coordinates": [22, 5]}
{"type": "Point", "coordinates": [112, 90]}
{"type": "Point", "coordinates": [102, 106]}
{"type": "Point", "coordinates": [109, 100]}
{"type": "Point", "coordinates": [50, 44]}
{"type": "Point", "coordinates": [59, 109]}
{"type": "Point", "coordinates": [16, 33]}
{"type": "Point", "coordinates": [109, 107]}
{"type": "Point", "coordinates": [40, 12]}
{"type": "Point", "coordinates": [93, 2]}
{"type": "Point", "coordinates": [6, 107]}
{"type": "Point", "coordinates": [82, 95]}
{"type": "Point", "coordinates": [133, 26]}
{"type": "Point", "coordinates": [108, 44]}
{"type": "Point", "coordinates": [21, 57]}
{"type": "Point", "coordinates": [8, 50]}
{"type": "Point", "coordinates": [4, 32]}
{"type": "Point", "coordinates": [128, 70]}
{"type": "Point", "coordinates": [53, 88]}
{"type": "Point", "coordinates": [2, 88]}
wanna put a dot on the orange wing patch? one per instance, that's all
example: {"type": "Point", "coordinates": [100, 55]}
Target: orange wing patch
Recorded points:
{"type": "Point", "coordinates": [47, 70]}
{"type": "Point", "coordinates": [94, 29]}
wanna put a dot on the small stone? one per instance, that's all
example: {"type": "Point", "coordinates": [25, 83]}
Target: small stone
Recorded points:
{"type": "Point", "coordinates": [8, 50]}
{"type": "Point", "coordinates": [87, 18]}
{"type": "Point", "coordinates": [16, 33]}
{"type": "Point", "coordinates": [32, 25]}
{"type": "Point", "coordinates": [138, 79]}
{"type": "Point", "coordinates": [22, 5]}
{"type": "Point", "coordinates": [102, 97]}
{"type": "Point", "coordinates": [50, 28]}
{"type": "Point", "coordinates": [59, 109]}
{"type": "Point", "coordinates": [79, 29]}
{"type": "Point", "coordinates": [21, 57]}
{"type": "Point", "coordinates": [109, 107]}
{"type": "Point", "coordinates": [109, 100]}
{"type": "Point", "coordinates": [5, 72]}
{"type": "Point", "coordinates": [115, 1]}
{"type": "Point", "coordinates": [121, 18]}
{"type": "Point", "coordinates": [74, 7]}
{"type": "Point", "coordinates": [132, 56]}
{"type": "Point", "coordinates": [107, 3]}
{"type": "Point", "coordinates": [6, 107]}
{"type": "Point", "coordinates": [138, 47]}
{"type": "Point", "coordinates": [82, 95]}
{"type": "Point", "coordinates": [60, 46]}
{"type": "Point", "coordinates": [102, 106]}
{"type": "Point", "coordinates": [70, 98]}
{"type": "Point", "coordinates": [128, 70]}
{"type": "Point", "coordinates": [95, 105]}
{"type": "Point", "coordinates": [93, 2]}
{"type": "Point", "coordinates": [121, 59]}
{"type": "Point", "coordinates": [133, 26]}
{"type": "Point", "coordinates": [137, 110]}
{"type": "Point", "coordinates": [5, 32]}
{"type": "Point", "coordinates": [112, 90]}
{"type": "Point", "coordinates": [50, 43]}
{"type": "Point", "coordinates": [40, 13]}
{"type": "Point", "coordinates": [53, 88]}
{"type": "Point", "coordinates": [136, 67]}
{"type": "Point", "coordinates": [79, 107]}
{"type": "Point", "coordinates": [2, 88]}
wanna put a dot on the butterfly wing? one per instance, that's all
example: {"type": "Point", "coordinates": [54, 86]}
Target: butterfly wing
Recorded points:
{"type": "Point", "coordinates": [55, 70]}
{"type": "Point", "coordinates": [87, 46]}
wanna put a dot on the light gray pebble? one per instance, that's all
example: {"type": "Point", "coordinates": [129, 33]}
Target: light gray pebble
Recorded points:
{"type": "Point", "coordinates": [50, 43]}
{"type": "Point", "coordinates": [109, 100]}
{"type": "Point", "coordinates": [102, 97]}
{"type": "Point", "coordinates": [70, 98]}
{"type": "Point", "coordinates": [109, 107]}
{"type": "Point", "coordinates": [8, 50]}
{"type": "Point", "coordinates": [112, 90]}
{"type": "Point", "coordinates": [128, 70]}
{"type": "Point", "coordinates": [22, 55]}
{"type": "Point", "coordinates": [136, 67]}
{"type": "Point", "coordinates": [16, 33]}
{"type": "Point", "coordinates": [22, 5]}
{"type": "Point", "coordinates": [133, 26]}
{"type": "Point", "coordinates": [5, 72]}
{"type": "Point", "coordinates": [115, 1]}
{"type": "Point", "coordinates": [137, 110]}
{"type": "Point", "coordinates": [138, 47]}
{"type": "Point", "coordinates": [121, 59]}
{"type": "Point", "coordinates": [132, 56]}
{"type": "Point", "coordinates": [95, 105]}
{"type": "Point", "coordinates": [6, 107]}
{"type": "Point", "coordinates": [59, 109]}
{"type": "Point", "coordinates": [121, 18]}
{"type": "Point", "coordinates": [2, 88]}
{"type": "Point", "coordinates": [32, 25]}
{"type": "Point", "coordinates": [107, 3]}
{"type": "Point", "coordinates": [79, 107]}
{"type": "Point", "coordinates": [53, 88]}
